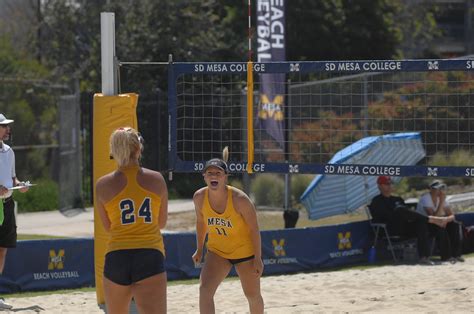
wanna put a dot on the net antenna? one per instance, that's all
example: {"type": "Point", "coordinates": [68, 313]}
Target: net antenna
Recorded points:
{"type": "Point", "coordinates": [250, 145]}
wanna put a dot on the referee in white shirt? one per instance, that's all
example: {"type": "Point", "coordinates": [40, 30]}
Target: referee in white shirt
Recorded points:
{"type": "Point", "coordinates": [8, 180]}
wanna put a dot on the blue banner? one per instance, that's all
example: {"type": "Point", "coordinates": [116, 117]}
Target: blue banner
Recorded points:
{"type": "Point", "coordinates": [466, 218]}
{"type": "Point", "coordinates": [357, 66]}
{"type": "Point", "coordinates": [292, 250]}
{"type": "Point", "coordinates": [48, 265]}
{"type": "Point", "coordinates": [271, 47]}
{"type": "Point", "coordinates": [179, 249]}
{"type": "Point", "coordinates": [283, 251]}
{"type": "Point", "coordinates": [331, 169]}
{"type": "Point", "coordinates": [64, 264]}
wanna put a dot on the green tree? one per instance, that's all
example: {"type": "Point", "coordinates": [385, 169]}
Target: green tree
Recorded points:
{"type": "Point", "coordinates": [146, 30]}
{"type": "Point", "coordinates": [208, 30]}
{"type": "Point", "coordinates": [341, 29]}
{"type": "Point", "coordinates": [434, 105]}
{"type": "Point", "coordinates": [358, 30]}
{"type": "Point", "coordinates": [26, 98]}
{"type": "Point", "coordinates": [418, 27]}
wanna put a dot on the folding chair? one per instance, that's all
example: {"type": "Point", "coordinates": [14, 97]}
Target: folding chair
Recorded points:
{"type": "Point", "coordinates": [376, 227]}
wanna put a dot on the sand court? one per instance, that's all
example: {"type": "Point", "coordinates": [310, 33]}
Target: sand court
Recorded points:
{"type": "Point", "coordinates": [444, 288]}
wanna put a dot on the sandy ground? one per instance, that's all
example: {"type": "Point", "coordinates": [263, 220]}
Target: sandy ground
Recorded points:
{"type": "Point", "coordinates": [443, 288]}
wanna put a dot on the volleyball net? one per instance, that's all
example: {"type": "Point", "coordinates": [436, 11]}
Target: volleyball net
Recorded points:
{"type": "Point", "coordinates": [326, 107]}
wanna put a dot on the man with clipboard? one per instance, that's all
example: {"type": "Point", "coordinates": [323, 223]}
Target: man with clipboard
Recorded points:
{"type": "Point", "coordinates": [8, 181]}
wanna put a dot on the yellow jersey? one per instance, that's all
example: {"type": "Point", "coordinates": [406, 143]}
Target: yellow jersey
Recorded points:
{"type": "Point", "coordinates": [133, 215]}
{"type": "Point", "coordinates": [228, 233]}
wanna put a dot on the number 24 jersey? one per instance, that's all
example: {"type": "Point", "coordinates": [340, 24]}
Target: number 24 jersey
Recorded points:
{"type": "Point", "coordinates": [133, 214]}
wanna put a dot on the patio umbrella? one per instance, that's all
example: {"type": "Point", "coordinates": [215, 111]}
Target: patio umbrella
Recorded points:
{"type": "Point", "coordinates": [330, 195]}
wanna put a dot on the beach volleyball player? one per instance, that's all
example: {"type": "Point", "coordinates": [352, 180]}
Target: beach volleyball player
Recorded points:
{"type": "Point", "coordinates": [133, 206]}
{"type": "Point", "coordinates": [228, 217]}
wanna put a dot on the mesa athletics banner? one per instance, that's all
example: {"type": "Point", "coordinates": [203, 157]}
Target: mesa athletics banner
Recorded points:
{"type": "Point", "coordinates": [271, 47]}
{"type": "Point", "coordinates": [49, 265]}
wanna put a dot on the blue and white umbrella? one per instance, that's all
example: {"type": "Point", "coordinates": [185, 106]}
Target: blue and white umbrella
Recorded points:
{"type": "Point", "coordinates": [330, 195]}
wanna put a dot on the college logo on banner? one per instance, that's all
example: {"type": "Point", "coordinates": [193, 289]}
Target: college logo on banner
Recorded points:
{"type": "Point", "coordinates": [344, 246]}
{"type": "Point", "coordinates": [279, 254]}
{"type": "Point", "coordinates": [56, 260]}
{"type": "Point", "coordinates": [279, 247]}
{"type": "Point", "coordinates": [271, 109]}
{"type": "Point", "coordinates": [344, 241]}
{"type": "Point", "coordinates": [271, 47]}
{"type": "Point", "coordinates": [56, 267]}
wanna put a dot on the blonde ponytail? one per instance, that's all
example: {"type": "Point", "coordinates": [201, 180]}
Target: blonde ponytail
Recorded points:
{"type": "Point", "coordinates": [125, 143]}
{"type": "Point", "coordinates": [225, 154]}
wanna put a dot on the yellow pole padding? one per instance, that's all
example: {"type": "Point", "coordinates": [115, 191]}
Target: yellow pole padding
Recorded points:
{"type": "Point", "coordinates": [109, 114]}
{"type": "Point", "coordinates": [250, 148]}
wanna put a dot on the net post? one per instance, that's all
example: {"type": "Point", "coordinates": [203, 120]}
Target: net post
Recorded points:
{"type": "Point", "coordinates": [108, 57]}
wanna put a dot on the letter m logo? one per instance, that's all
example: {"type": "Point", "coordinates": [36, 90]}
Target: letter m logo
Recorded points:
{"type": "Point", "coordinates": [56, 261]}
{"type": "Point", "coordinates": [433, 65]}
{"type": "Point", "coordinates": [432, 172]}
{"type": "Point", "coordinates": [344, 240]}
{"type": "Point", "coordinates": [278, 247]}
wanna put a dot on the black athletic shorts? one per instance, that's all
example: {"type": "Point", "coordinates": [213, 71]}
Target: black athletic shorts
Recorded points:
{"type": "Point", "coordinates": [240, 260]}
{"type": "Point", "coordinates": [125, 267]}
{"type": "Point", "coordinates": [8, 228]}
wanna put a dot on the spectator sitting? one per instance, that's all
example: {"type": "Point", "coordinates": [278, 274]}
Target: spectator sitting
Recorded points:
{"type": "Point", "coordinates": [402, 221]}
{"type": "Point", "coordinates": [434, 203]}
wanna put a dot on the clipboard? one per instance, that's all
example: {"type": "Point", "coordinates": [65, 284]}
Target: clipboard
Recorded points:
{"type": "Point", "coordinates": [27, 185]}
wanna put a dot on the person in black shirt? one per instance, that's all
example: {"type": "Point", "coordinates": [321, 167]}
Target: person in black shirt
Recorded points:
{"type": "Point", "coordinates": [402, 221]}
